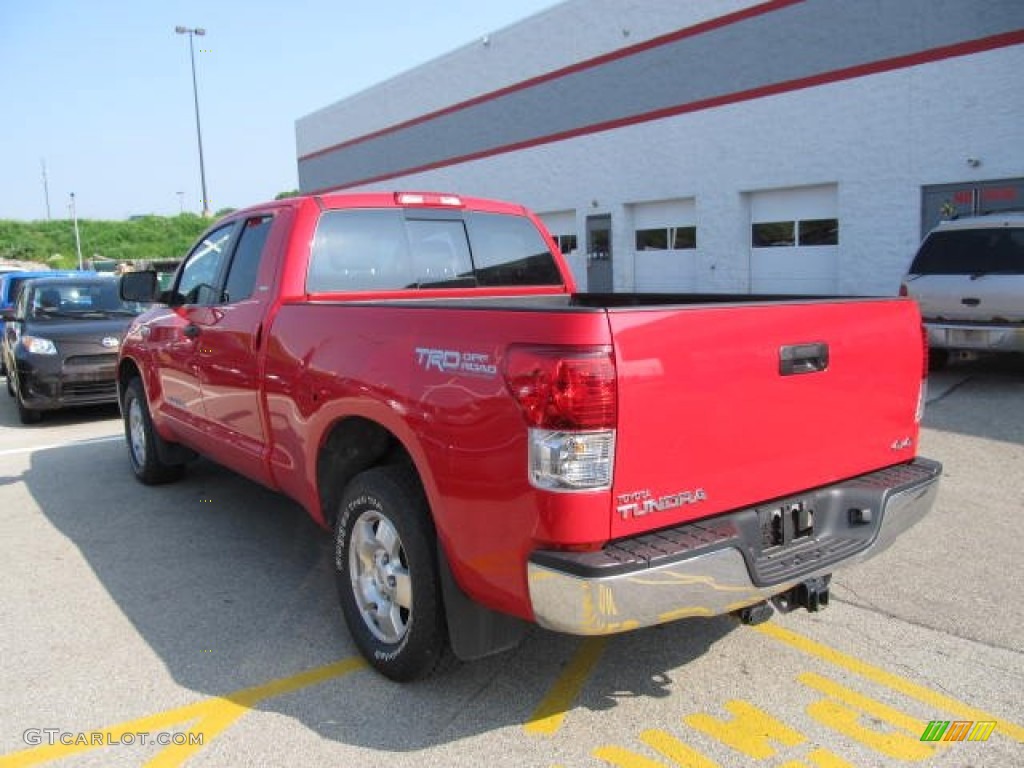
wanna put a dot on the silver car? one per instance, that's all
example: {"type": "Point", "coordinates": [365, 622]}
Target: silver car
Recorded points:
{"type": "Point", "coordinates": [968, 278]}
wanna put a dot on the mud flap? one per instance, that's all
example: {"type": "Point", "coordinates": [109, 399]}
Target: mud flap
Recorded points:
{"type": "Point", "coordinates": [473, 630]}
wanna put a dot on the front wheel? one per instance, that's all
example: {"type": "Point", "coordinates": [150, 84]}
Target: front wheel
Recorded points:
{"type": "Point", "coordinates": [142, 439]}
{"type": "Point", "coordinates": [26, 415]}
{"type": "Point", "coordinates": [387, 576]}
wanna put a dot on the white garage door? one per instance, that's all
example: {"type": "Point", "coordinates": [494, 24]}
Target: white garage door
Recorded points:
{"type": "Point", "coordinates": [665, 246]}
{"type": "Point", "coordinates": [562, 226]}
{"type": "Point", "coordinates": [794, 240]}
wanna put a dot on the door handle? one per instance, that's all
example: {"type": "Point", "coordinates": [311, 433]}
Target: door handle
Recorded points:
{"type": "Point", "coordinates": [803, 358]}
{"type": "Point", "coordinates": [191, 331]}
{"type": "Point", "coordinates": [969, 301]}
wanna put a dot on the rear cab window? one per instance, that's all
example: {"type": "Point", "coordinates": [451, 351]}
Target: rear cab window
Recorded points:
{"type": "Point", "coordinates": [995, 251]}
{"type": "Point", "coordinates": [397, 249]}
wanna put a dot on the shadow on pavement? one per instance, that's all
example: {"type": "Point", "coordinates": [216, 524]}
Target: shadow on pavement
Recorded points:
{"type": "Point", "coordinates": [995, 387]}
{"type": "Point", "coordinates": [55, 419]}
{"type": "Point", "coordinates": [217, 562]}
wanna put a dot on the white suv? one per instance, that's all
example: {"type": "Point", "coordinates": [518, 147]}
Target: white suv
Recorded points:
{"type": "Point", "coordinates": [968, 277]}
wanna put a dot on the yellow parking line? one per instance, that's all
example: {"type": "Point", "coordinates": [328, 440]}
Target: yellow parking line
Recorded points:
{"type": "Point", "coordinates": [548, 717]}
{"type": "Point", "coordinates": [210, 717]}
{"type": "Point", "coordinates": [888, 679]}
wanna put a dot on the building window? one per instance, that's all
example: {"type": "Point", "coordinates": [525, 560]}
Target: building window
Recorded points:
{"type": "Point", "coordinates": [684, 238]}
{"type": "Point", "coordinates": [566, 243]}
{"type": "Point", "coordinates": [774, 234]}
{"type": "Point", "coordinates": [819, 232]}
{"type": "Point", "coordinates": [666, 238]}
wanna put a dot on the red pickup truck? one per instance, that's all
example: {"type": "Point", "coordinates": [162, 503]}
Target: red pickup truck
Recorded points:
{"type": "Point", "coordinates": [492, 448]}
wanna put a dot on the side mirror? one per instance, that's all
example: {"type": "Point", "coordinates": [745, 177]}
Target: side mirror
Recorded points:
{"type": "Point", "coordinates": [140, 286]}
{"type": "Point", "coordinates": [8, 316]}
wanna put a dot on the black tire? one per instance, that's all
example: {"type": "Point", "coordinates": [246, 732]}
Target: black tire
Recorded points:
{"type": "Point", "coordinates": [10, 387]}
{"type": "Point", "coordinates": [142, 439]}
{"type": "Point", "coordinates": [937, 359]}
{"type": "Point", "coordinates": [387, 575]}
{"type": "Point", "coordinates": [26, 415]}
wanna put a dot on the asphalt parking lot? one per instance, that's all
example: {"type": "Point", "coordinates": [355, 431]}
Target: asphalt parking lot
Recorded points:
{"type": "Point", "coordinates": [204, 611]}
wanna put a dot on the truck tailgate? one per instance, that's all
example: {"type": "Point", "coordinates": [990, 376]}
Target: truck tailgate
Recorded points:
{"type": "Point", "coordinates": [726, 406]}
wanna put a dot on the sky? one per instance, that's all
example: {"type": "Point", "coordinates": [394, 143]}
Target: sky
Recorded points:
{"type": "Point", "coordinates": [100, 91]}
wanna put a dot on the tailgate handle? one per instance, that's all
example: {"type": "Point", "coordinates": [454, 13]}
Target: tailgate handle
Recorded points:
{"type": "Point", "coordinates": [803, 358]}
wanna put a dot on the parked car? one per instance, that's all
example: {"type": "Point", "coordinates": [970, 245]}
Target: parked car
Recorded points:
{"type": "Point", "coordinates": [11, 281]}
{"type": "Point", "coordinates": [968, 278]}
{"type": "Point", "coordinates": [61, 340]}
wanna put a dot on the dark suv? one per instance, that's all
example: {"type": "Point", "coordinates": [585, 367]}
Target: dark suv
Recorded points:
{"type": "Point", "coordinates": [60, 343]}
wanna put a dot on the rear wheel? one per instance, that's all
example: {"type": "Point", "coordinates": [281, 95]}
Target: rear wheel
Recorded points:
{"type": "Point", "coordinates": [387, 575]}
{"type": "Point", "coordinates": [142, 439]}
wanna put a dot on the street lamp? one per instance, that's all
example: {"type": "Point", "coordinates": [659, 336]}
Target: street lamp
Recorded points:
{"type": "Point", "coordinates": [195, 94]}
{"type": "Point", "coordinates": [78, 239]}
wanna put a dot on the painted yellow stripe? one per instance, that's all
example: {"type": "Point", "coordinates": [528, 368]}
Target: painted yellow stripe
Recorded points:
{"type": "Point", "coordinates": [210, 717]}
{"type": "Point", "coordinates": [888, 679]}
{"type": "Point", "coordinates": [220, 716]}
{"type": "Point", "coordinates": [675, 750]}
{"type": "Point", "coordinates": [548, 717]}
{"type": "Point", "coordinates": [623, 758]}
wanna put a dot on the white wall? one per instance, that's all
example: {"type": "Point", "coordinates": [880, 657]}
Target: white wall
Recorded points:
{"type": "Point", "coordinates": [878, 139]}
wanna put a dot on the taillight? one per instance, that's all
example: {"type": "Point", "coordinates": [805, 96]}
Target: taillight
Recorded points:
{"type": "Point", "coordinates": [923, 391]}
{"type": "Point", "coordinates": [563, 387]}
{"type": "Point", "coordinates": [568, 398]}
{"type": "Point", "coordinates": [924, 352]}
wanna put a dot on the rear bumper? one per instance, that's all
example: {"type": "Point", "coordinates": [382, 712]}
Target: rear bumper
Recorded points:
{"type": "Point", "coordinates": [972, 336]}
{"type": "Point", "coordinates": [720, 565]}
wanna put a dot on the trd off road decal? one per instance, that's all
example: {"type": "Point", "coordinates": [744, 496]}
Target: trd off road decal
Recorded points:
{"type": "Point", "coordinates": [455, 361]}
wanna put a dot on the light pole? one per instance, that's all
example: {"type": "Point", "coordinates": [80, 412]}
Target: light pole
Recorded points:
{"type": "Point", "coordinates": [181, 201]}
{"type": "Point", "coordinates": [191, 32]}
{"type": "Point", "coordinates": [78, 240]}
{"type": "Point", "coordinates": [46, 188]}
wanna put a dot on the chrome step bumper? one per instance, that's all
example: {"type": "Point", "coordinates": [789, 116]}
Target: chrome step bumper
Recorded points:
{"type": "Point", "coordinates": [720, 565]}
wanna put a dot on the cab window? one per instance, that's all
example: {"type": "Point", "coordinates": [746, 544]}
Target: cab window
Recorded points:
{"type": "Point", "coordinates": [198, 282]}
{"type": "Point", "coordinates": [245, 262]}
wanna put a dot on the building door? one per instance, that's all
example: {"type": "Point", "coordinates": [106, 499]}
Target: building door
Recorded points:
{"type": "Point", "coordinates": [794, 240]}
{"type": "Point", "coordinates": [665, 246]}
{"type": "Point", "coordinates": [970, 198]}
{"type": "Point", "coordinates": [599, 253]}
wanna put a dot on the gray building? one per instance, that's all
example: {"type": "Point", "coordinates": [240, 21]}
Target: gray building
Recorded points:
{"type": "Point", "coordinates": [712, 145]}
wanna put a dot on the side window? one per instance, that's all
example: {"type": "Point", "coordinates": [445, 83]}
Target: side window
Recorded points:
{"type": "Point", "coordinates": [198, 281]}
{"type": "Point", "coordinates": [359, 250]}
{"type": "Point", "coordinates": [246, 261]}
